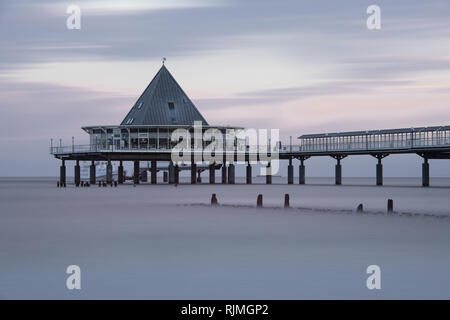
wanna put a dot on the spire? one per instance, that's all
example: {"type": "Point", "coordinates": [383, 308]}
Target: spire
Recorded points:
{"type": "Point", "coordinates": [163, 102]}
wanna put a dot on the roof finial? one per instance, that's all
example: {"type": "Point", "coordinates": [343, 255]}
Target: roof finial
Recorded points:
{"type": "Point", "coordinates": [163, 60]}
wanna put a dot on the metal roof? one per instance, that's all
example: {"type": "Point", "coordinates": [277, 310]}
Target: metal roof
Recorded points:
{"type": "Point", "coordinates": [163, 102]}
{"type": "Point", "coordinates": [372, 132]}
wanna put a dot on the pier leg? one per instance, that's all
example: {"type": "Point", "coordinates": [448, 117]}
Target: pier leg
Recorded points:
{"type": "Point", "coordinates": [268, 174]}
{"type": "Point", "coordinates": [92, 173]}
{"type": "Point", "coordinates": [338, 172]}
{"type": "Point", "coordinates": [425, 173]}
{"type": "Point", "coordinates": [290, 172]}
{"type": "Point", "coordinates": [136, 172]}
{"type": "Point", "coordinates": [231, 173]}
{"type": "Point", "coordinates": [379, 173]}
{"type": "Point", "coordinates": [171, 173]}
{"type": "Point", "coordinates": [302, 171]}
{"type": "Point", "coordinates": [77, 178]}
{"type": "Point", "coordinates": [62, 173]}
{"type": "Point", "coordinates": [224, 173]}
{"type": "Point", "coordinates": [109, 172]}
{"type": "Point", "coordinates": [177, 174]}
{"type": "Point", "coordinates": [249, 173]}
{"type": "Point", "coordinates": [120, 176]}
{"type": "Point", "coordinates": [193, 173]}
{"type": "Point", "coordinates": [212, 173]}
{"type": "Point", "coordinates": [154, 171]}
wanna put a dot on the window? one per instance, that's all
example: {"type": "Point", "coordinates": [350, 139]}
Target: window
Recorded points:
{"type": "Point", "coordinates": [171, 106]}
{"type": "Point", "coordinates": [130, 121]}
{"type": "Point", "coordinates": [139, 105]}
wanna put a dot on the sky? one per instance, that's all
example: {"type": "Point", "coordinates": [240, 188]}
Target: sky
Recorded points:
{"type": "Point", "coordinates": [298, 66]}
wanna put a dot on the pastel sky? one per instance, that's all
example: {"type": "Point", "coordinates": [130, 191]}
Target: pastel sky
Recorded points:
{"type": "Point", "coordinates": [300, 66]}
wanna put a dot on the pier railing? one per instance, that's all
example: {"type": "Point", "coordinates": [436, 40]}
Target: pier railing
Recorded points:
{"type": "Point", "coordinates": [310, 147]}
{"type": "Point", "coordinates": [314, 146]}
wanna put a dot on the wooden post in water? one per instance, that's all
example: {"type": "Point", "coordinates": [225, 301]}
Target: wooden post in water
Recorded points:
{"type": "Point", "coordinates": [259, 201]}
{"type": "Point", "coordinates": [214, 200]}
{"type": "Point", "coordinates": [286, 201]}
{"type": "Point", "coordinates": [390, 206]}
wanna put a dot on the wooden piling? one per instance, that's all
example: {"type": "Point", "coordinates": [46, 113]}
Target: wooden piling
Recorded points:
{"type": "Point", "coordinates": [390, 206]}
{"type": "Point", "coordinates": [286, 201]}
{"type": "Point", "coordinates": [214, 200]}
{"type": "Point", "coordinates": [259, 201]}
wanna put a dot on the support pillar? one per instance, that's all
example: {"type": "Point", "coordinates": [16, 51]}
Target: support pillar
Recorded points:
{"type": "Point", "coordinates": [212, 173]}
{"type": "Point", "coordinates": [290, 172]}
{"type": "Point", "coordinates": [77, 178]}
{"type": "Point", "coordinates": [62, 173]}
{"type": "Point", "coordinates": [302, 171]}
{"type": "Point", "coordinates": [379, 172]}
{"type": "Point", "coordinates": [92, 176]}
{"type": "Point", "coordinates": [109, 178]}
{"type": "Point", "coordinates": [231, 173]}
{"type": "Point", "coordinates": [193, 173]}
{"type": "Point", "coordinates": [269, 174]}
{"type": "Point", "coordinates": [199, 176]}
{"type": "Point", "coordinates": [154, 171]}
{"type": "Point", "coordinates": [177, 174]}
{"type": "Point", "coordinates": [171, 173]}
{"type": "Point", "coordinates": [136, 172]}
{"type": "Point", "coordinates": [120, 175]}
{"type": "Point", "coordinates": [224, 173]}
{"type": "Point", "coordinates": [338, 172]}
{"type": "Point", "coordinates": [425, 173]}
{"type": "Point", "coordinates": [249, 173]}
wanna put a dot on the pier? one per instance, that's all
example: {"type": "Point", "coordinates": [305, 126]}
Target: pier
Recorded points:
{"type": "Point", "coordinates": [145, 135]}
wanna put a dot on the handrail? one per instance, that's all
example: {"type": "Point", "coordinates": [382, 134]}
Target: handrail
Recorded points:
{"type": "Point", "coordinates": [306, 147]}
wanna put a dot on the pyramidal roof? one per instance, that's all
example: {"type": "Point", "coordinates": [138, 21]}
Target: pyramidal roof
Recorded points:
{"type": "Point", "coordinates": [162, 103]}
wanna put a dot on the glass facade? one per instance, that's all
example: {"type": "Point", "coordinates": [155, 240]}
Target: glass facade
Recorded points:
{"type": "Point", "coordinates": [144, 138]}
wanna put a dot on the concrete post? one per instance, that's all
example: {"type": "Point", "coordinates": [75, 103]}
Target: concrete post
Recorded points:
{"type": "Point", "coordinates": [425, 173]}
{"type": "Point", "coordinates": [109, 172]}
{"type": "Point", "coordinates": [171, 171]}
{"type": "Point", "coordinates": [193, 173]}
{"type": "Point", "coordinates": [77, 178]}
{"type": "Point", "coordinates": [338, 172]}
{"type": "Point", "coordinates": [268, 174]}
{"type": "Point", "coordinates": [231, 173]}
{"type": "Point", "coordinates": [120, 175]}
{"type": "Point", "coordinates": [92, 176]}
{"type": "Point", "coordinates": [154, 172]}
{"type": "Point", "coordinates": [136, 172]}
{"type": "Point", "coordinates": [302, 171]}
{"type": "Point", "coordinates": [249, 173]}
{"type": "Point", "coordinates": [212, 173]}
{"type": "Point", "coordinates": [290, 172]}
{"type": "Point", "coordinates": [62, 173]}
{"type": "Point", "coordinates": [224, 173]}
{"type": "Point", "coordinates": [379, 172]}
